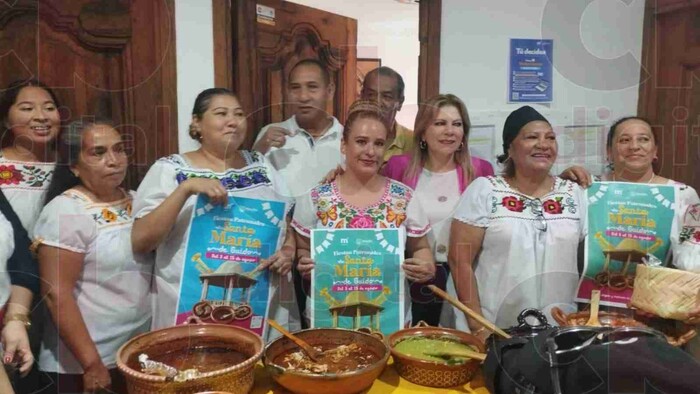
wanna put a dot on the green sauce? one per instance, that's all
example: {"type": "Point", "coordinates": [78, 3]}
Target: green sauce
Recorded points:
{"type": "Point", "coordinates": [418, 346]}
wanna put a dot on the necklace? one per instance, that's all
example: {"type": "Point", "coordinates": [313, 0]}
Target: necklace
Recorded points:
{"type": "Point", "coordinates": [651, 180]}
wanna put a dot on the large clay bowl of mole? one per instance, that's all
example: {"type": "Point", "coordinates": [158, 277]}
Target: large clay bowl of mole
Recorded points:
{"type": "Point", "coordinates": [350, 382]}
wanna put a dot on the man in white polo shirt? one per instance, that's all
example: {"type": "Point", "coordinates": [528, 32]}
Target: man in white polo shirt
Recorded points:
{"type": "Point", "coordinates": [305, 147]}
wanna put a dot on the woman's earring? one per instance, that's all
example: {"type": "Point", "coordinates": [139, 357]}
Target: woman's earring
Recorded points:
{"type": "Point", "coordinates": [76, 174]}
{"type": "Point", "coordinates": [422, 145]}
{"type": "Point", "coordinates": [461, 145]}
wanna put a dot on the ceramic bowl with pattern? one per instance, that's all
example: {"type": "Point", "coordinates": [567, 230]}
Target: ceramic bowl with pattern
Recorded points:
{"type": "Point", "coordinates": [430, 373]}
{"type": "Point", "coordinates": [236, 378]}
{"type": "Point", "coordinates": [350, 382]}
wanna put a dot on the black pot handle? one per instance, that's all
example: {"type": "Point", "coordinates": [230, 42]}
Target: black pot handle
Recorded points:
{"type": "Point", "coordinates": [537, 314]}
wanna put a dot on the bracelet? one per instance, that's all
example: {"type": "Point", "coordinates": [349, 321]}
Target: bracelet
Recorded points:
{"type": "Point", "coordinates": [24, 319]}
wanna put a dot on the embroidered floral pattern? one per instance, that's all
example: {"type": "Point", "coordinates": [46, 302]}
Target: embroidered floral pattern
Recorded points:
{"type": "Point", "coordinates": [689, 232]}
{"type": "Point", "coordinates": [513, 203]}
{"type": "Point", "coordinates": [108, 215]}
{"type": "Point", "coordinates": [36, 176]}
{"type": "Point", "coordinates": [113, 214]}
{"type": "Point", "coordinates": [334, 212]}
{"type": "Point", "coordinates": [395, 217]}
{"type": "Point", "coordinates": [327, 215]}
{"type": "Point", "coordinates": [232, 180]}
{"type": "Point", "coordinates": [361, 221]}
{"type": "Point", "coordinates": [26, 175]}
{"type": "Point", "coordinates": [559, 202]}
{"type": "Point", "coordinates": [685, 234]}
{"type": "Point", "coordinates": [9, 175]}
{"type": "Point", "coordinates": [104, 214]}
{"type": "Point", "coordinates": [554, 206]}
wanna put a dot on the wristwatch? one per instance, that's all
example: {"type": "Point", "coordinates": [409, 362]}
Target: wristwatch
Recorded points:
{"type": "Point", "coordinates": [20, 317]}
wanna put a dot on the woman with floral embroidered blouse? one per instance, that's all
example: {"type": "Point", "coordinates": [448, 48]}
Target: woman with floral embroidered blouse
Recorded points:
{"type": "Point", "coordinates": [514, 238]}
{"type": "Point", "coordinates": [31, 124]}
{"type": "Point", "coordinates": [632, 151]}
{"type": "Point", "coordinates": [29, 110]}
{"type": "Point", "coordinates": [361, 198]}
{"type": "Point", "coordinates": [96, 294]}
{"type": "Point", "coordinates": [166, 197]}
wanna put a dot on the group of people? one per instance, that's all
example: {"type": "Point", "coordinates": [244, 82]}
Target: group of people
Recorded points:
{"type": "Point", "coordinates": [108, 261]}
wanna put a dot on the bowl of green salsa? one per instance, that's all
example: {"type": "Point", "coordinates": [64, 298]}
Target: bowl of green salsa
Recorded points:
{"type": "Point", "coordinates": [421, 355]}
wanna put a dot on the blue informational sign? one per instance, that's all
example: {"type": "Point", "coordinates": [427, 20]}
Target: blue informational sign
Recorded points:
{"type": "Point", "coordinates": [530, 76]}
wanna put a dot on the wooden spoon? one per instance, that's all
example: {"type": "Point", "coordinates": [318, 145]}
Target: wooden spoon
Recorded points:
{"type": "Point", "coordinates": [457, 353]}
{"type": "Point", "coordinates": [468, 311]}
{"type": "Point", "coordinates": [313, 354]}
{"type": "Point", "coordinates": [595, 302]}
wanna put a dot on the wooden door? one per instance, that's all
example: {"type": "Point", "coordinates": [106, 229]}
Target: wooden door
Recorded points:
{"type": "Point", "coordinates": [669, 95]}
{"type": "Point", "coordinates": [87, 52]}
{"type": "Point", "coordinates": [265, 49]}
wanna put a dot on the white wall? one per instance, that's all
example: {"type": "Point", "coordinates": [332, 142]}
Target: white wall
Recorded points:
{"type": "Point", "coordinates": [194, 45]}
{"type": "Point", "coordinates": [597, 48]}
{"type": "Point", "coordinates": [388, 30]}
{"type": "Point", "coordinates": [597, 45]}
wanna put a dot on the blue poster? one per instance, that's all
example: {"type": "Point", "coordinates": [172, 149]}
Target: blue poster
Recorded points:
{"type": "Point", "coordinates": [358, 281]}
{"type": "Point", "coordinates": [530, 75]}
{"type": "Point", "coordinates": [220, 282]}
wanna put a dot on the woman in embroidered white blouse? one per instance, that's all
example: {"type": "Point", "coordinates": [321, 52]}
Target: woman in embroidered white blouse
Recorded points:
{"type": "Point", "coordinates": [29, 111]}
{"type": "Point", "coordinates": [514, 238]}
{"type": "Point", "coordinates": [362, 198]}
{"type": "Point", "coordinates": [96, 294]}
{"type": "Point", "coordinates": [166, 197]}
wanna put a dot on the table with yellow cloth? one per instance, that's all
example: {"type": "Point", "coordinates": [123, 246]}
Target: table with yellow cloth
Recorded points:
{"type": "Point", "coordinates": [389, 382]}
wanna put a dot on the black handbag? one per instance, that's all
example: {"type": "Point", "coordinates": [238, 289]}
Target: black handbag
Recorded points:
{"type": "Point", "coordinates": [592, 360]}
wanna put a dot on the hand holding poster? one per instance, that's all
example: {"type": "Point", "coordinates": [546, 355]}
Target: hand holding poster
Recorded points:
{"type": "Point", "coordinates": [627, 223]}
{"type": "Point", "coordinates": [220, 283]}
{"type": "Point", "coordinates": [357, 280]}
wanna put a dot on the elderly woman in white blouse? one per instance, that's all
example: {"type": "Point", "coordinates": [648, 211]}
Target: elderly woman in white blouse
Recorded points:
{"type": "Point", "coordinates": [96, 294]}
{"type": "Point", "coordinates": [514, 237]}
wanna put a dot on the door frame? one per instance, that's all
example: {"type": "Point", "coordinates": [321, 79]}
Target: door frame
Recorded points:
{"type": "Point", "coordinates": [429, 28]}
{"type": "Point", "coordinates": [225, 60]}
{"type": "Point", "coordinates": [674, 136]}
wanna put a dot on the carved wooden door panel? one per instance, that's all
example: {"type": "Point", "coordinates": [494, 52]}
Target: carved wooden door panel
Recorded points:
{"type": "Point", "coordinates": [85, 50]}
{"type": "Point", "coordinates": [669, 95]}
{"type": "Point", "coordinates": [265, 50]}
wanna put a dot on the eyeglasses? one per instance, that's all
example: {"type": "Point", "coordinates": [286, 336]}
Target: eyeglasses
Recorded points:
{"type": "Point", "coordinates": [541, 222]}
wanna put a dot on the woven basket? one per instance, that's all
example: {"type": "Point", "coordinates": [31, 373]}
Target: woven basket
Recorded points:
{"type": "Point", "coordinates": [665, 292]}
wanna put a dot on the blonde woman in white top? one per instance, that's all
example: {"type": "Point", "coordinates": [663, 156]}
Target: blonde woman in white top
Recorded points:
{"type": "Point", "coordinates": [439, 168]}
